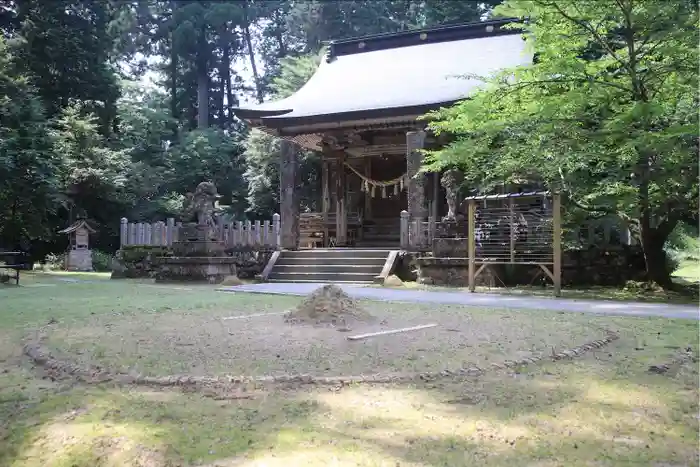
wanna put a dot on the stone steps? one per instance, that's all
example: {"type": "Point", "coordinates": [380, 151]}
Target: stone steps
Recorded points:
{"type": "Point", "coordinates": [342, 265]}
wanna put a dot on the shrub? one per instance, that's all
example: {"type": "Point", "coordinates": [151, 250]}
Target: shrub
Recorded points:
{"type": "Point", "coordinates": [101, 261]}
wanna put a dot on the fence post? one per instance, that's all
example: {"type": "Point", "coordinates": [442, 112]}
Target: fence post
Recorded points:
{"type": "Point", "coordinates": [155, 234]}
{"type": "Point", "coordinates": [258, 234]}
{"type": "Point", "coordinates": [417, 239]}
{"type": "Point", "coordinates": [139, 233]}
{"type": "Point", "coordinates": [176, 231]}
{"type": "Point", "coordinates": [404, 229]}
{"type": "Point", "coordinates": [123, 232]}
{"type": "Point", "coordinates": [266, 233]}
{"type": "Point", "coordinates": [241, 233]}
{"type": "Point", "coordinates": [276, 230]}
{"type": "Point", "coordinates": [431, 231]}
{"type": "Point", "coordinates": [132, 233]}
{"type": "Point", "coordinates": [148, 234]}
{"type": "Point", "coordinates": [169, 231]}
{"type": "Point", "coordinates": [249, 233]}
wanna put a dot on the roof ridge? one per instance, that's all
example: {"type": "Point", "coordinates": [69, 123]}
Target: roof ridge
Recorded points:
{"type": "Point", "coordinates": [412, 37]}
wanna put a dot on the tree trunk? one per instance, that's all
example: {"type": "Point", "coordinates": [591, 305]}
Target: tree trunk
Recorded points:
{"type": "Point", "coordinates": [202, 81]}
{"type": "Point", "coordinates": [174, 109]}
{"type": "Point", "coordinates": [653, 240]}
{"type": "Point", "coordinates": [225, 73]}
{"type": "Point", "coordinates": [251, 54]}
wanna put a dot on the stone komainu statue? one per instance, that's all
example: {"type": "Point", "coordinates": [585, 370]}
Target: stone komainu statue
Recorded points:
{"type": "Point", "coordinates": [200, 206]}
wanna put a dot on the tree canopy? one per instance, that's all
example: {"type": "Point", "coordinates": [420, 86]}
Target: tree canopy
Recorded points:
{"type": "Point", "coordinates": [607, 114]}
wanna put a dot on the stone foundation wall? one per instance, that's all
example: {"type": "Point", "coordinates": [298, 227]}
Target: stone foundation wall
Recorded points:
{"type": "Point", "coordinates": [592, 266]}
{"type": "Point", "coordinates": [134, 262]}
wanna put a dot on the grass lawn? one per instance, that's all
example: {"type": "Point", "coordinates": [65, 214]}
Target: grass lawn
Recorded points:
{"type": "Point", "coordinates": [602, 409]}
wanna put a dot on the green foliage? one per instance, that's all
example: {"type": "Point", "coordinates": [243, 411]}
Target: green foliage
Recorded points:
{"type": "Point", "coordinates": [101, 261]}
{"type": "Point", "coordinates": [607, 114]}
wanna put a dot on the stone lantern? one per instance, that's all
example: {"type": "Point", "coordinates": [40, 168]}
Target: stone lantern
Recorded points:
{"type": "Point", "coordinates": [79, 256]}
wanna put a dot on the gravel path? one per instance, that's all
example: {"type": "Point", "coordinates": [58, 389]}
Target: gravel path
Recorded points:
{"type": "Point", "coordinates": [604, 307]}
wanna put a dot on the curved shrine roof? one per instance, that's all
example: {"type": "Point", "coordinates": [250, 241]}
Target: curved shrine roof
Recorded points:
{"type": "Point", "coordinates": [394, 75]}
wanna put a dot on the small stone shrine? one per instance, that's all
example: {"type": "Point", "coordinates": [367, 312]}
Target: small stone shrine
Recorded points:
{"type": "Point", "coordinates": [198, 252]}
{"type": "Point", "coordinates": [79, 257]}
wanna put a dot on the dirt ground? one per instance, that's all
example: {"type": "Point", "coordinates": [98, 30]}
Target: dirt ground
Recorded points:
{"type": "Point", "coordinates": [264, 344]}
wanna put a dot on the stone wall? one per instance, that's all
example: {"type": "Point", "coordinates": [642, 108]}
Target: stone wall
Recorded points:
{"type": "Point", "coordinates": [603, 266]}
{"type": "Point", "coordinates": [134, 262]}
{"type": "Point", "coordinates": [586, 267]}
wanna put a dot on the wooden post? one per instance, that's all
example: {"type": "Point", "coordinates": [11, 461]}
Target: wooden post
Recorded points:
{"type": "Point", "coordinates": [169, 233]}
{"type": "Point", "coordinates": [415, 141]}
{"type": "Point", "coordinates": [240, 234]}
{"type": "Point", "coordinates": [289, 195]}
{"type": "Point", "coordinates": [511, 212]}
{"type": "Point", "coordinates": [415, 231]}
{"type": "Point", "coordinates": [368, 198]}
{"type": "Point", "coordinates": [139, 233]}
{"type": "Point", "coordinates": [276, 231]}
{"type": "Point", "coordinates": [431, 231]}
{"type": "Point", "coordinates": [258, 234]}
{"type": "Point", "coordinates": [404, 230]}
{"type": "Point", "coordinates": [326, 196]}
{"type": "Point", "coordinates": [266, 234]}
{"type": "Point", "coordinates": [123, 232]}
{"type": "Point", "coordinates": [341, 215]}
{"type": "Point", "coordinates": [471, 247]}
{"type": "Point", "coordinates": [556, 243]}
{"type": "Point", "coordinates": [148, 234]}
{"type": "Point", "coordinates": [155, 234]}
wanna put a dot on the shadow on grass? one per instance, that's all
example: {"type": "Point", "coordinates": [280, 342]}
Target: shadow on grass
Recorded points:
{"type": "Point", "coordinates": [601, 410]}
{"type": "Point", "coordinates": [110, 426]}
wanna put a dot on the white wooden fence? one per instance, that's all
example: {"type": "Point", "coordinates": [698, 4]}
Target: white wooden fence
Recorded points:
{"type": "Point", "coordinates": [263, 235]}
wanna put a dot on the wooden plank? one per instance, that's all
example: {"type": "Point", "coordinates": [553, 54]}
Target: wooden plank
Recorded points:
{"type": "Point", "coordinates": [390, 331]}
{"type": "Point", "coordinates": [227, 318]}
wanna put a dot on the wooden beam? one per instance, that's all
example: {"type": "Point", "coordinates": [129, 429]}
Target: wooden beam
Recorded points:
{"type": "Point", "coordinates": [289, 195]}
{"type": "Point", "coordinates": [325, 196]}
{"type": "Point", "coordinates": [390, 331]}
{"type": "Point", "coordinates": [341, 221]}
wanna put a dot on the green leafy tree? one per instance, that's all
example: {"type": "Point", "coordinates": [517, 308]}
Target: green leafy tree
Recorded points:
{"type": "Point", "coordinates": [607, 114]}
{"type": "Point", "coordinates": [29, 188]}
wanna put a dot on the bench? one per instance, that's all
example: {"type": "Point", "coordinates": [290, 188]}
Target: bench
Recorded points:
{"type": "Point", "coordinates": [15, 260]}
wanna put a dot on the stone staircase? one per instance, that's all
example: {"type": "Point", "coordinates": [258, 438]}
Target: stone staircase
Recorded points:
{"type": "Point", "coordinates": [345, 265]}
{"type": "Point", "coordinates": [381, 233]}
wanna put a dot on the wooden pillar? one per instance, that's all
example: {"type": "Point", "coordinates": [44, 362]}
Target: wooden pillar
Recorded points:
{"type": "Point", "coordinates": [368, 198]}
{"type": "Point", "coordinates": [471, 246]}
{"type": "Point", "coordinates": [556, 243]}
{"type": "Point", "coordinates": [415, 141]}
{"type": "Point", "coordinates": [341, 221]}
{"type": "Point", "coordinates": [289, 195]}
{"type": "Point", "coordinates": [325, 196]}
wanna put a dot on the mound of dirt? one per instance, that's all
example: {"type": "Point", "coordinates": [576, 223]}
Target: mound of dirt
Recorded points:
{"type": "Point", "coordinates": [328, 305]}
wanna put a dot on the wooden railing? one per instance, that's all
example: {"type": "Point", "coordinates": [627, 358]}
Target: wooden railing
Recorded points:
{"type": "Point", "coordinates": [417, 234]}
{"type": "Point", "coordinates": [259, 235]}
